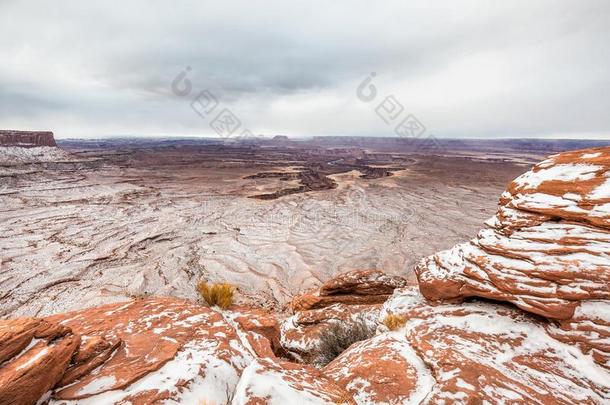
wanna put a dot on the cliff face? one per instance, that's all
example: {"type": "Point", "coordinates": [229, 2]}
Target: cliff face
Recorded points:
{"type": "Point", "coordinates": [546, 254]}
{"type": "Point", "coordinates": [26, 139]}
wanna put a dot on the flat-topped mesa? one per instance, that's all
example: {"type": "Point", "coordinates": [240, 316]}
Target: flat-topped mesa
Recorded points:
{"type": "Point", "coordinates": [547, 250]}
{"type": "Point", "coordinates": [26, 139]}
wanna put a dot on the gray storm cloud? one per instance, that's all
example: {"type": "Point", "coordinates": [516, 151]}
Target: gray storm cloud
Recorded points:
{"type": "Point", "coordinates": [464, 68]}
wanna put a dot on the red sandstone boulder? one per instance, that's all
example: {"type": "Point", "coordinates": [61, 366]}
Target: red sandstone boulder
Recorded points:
{"type": "Point", "coordinates": [384, 369]}
{"type": "Point", "coordinates": [264, 328]}
{"type": "Point", "coordinates": [268, 381]}
{"type": "Point", "coordinates": [359, 287]}
{"type": "Point", "coordinates": [362, 282]}
{"type": "Point", "coordinates": [169, 349]}
{"type": "Point", "coordinates": [35, 354]}
{"type": "Point", "coordinates": [139, 352]}
{"type": "Point", "coordinates": [547, 250]}
{"type": "Point", "coordinates": [467, 353]}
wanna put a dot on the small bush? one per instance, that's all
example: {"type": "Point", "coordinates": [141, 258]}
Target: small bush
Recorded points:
{"type": "Point", "coordinates": [335, 339]}
{"type": "Point", "coordinates": [394, 322]}
{"type": "Point", "coordinates": [220, 294]}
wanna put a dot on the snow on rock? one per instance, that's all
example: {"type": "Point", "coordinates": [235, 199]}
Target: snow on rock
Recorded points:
{"type": "Point", "coordinates": [169, 349]}
{"type": "Point", "coordinates": [143, 351]}
{"type": "Point", "coordinates": [476, 352]}
{"type": "Point", "coordinates": [300, 333]}
{"type": "Point", "coordinates": [155, 350]}
{"type": "Point", "coordinates": [384, 369]}
{"type": "Point", "coordinates": [12, 155]}
{"type": "Point", "coordinates": [547, 250]}
{"type": "Point", "coordinates": [277, 382]}
{"type": "Point", "coordinates": [33, 356]}
{"type": "Point", "coordinates": [351, 288]}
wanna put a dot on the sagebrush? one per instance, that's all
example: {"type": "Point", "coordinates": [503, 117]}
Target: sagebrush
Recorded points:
{"type": "Point", "coordinates": [394, 322]}
{"type": "Point", "coordinates": [337, 337]}
{"type": "Point", "coordinates": [218, 294]}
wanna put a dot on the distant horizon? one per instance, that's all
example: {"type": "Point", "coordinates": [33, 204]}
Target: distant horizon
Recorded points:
{"type": "Point", "coordinates": [269, 137]}
{"type": "Point", "coordinates": [566, 137]}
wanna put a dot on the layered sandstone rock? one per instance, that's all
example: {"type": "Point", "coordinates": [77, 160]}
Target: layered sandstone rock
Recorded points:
{"type": "Point", "coordinates": [384, 369]}
{"type": "Point", "coordinates": [358, 287]}
{"type": "Point", "coordinates": [476, 352]}
{"type": "Point", "coordinates": [268, 381]}
{"type": "Point", "coordinates": [34, 355]}
{"type": "Point", "coordinates": [141, 351]}
{"type": "Point", "coordinates": [26, 139]}
{"type": "Point", "coordinates": [151, 351]}
{"type": "Point", "coordinates": [24, 147]}
{"type": "Point", "coordinates": [172, 348]}
{"type": "Point", "coordinates": [547, 251]}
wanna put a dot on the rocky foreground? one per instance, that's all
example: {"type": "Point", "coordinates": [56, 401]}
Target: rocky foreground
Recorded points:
{"type": "Point", "coordinates": [520, 314]}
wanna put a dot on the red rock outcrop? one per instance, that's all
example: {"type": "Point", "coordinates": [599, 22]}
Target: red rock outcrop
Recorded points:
{"type": "Point", "coordinates": [151, 351]}
{"type": "Point", "coordinates": [547, 250]}
{"type": "Point", "coordinates": [167, 345]}
{"type": "Point", "coordinates": [475, 352]}
{"type": "Point", "coordinates": [358, 287]}
{"type": "Point", "coordinates": [300, 333]}
{"type": "Point", "coordinates": [141, 351]}
{"type": "Point", "coordinates": [384, 369]}
{"type": "Point", "coordinates": [26, 139]}
{"type": "Point", "coordinates": [33, 357]}
{"type": "Point", "coordinates": [268, 381]}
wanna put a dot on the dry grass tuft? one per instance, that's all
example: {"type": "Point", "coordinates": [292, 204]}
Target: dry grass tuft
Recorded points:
{"type": "Point", "coordinates": [394, 322]}
{"type": "Point", "coordinates": [337, 337]}
{"type": "Point", "coordinates": [219, 294]}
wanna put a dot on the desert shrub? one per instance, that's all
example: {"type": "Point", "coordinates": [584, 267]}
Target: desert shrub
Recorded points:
{"type": "Point", "coordinates": [394, 322]}
{"type": "Point", "coordinates": [337, 337]}
{"type": "Point", "coordinates": [219, 294]}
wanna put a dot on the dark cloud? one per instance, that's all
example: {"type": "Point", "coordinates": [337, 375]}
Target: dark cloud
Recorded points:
{"type": "Point", "coordinates": [465, 68]}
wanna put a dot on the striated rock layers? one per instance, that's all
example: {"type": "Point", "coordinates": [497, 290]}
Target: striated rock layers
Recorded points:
{"type": "Point", "coordinates": [547, 251]}
{"type": "Point", "coordinates": [26, 139]}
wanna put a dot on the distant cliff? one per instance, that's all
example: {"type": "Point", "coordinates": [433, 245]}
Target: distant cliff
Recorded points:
{"type": "Point", "coordinates": [26, 139]}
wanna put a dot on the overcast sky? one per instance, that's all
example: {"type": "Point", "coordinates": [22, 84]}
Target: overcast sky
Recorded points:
{"type": "Point", "coordinates": [463, 68]}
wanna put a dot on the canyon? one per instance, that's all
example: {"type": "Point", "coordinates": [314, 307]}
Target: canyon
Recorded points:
{"type": "Point", "coordinates": [101, 252]}
{"type": "Point", "coordinates": [95, 222]}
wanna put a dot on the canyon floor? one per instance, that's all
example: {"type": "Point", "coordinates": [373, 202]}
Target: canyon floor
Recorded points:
{"type": "Point", "coordinates": [104, 221]}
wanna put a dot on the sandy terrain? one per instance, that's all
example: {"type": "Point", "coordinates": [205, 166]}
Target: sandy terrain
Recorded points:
{"type": "Point", "coordinates": [111, 222]}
